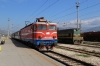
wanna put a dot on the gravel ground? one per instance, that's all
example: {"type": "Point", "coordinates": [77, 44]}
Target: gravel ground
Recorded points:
{"type": "Point", "coordinates": [87, 58]}
{"type": "Point", "coordinates": [81, 47]}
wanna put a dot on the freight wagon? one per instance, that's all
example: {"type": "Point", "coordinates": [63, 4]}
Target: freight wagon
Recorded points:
{"type": "Point", "coordinates": [91, 36]}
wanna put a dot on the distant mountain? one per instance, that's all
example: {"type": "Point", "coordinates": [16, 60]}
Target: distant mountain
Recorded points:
{"type": "Point", "coordinates": [92, 29]}
{"type": "Point", "coordinates": [60, 28]}
{"type": "Point", "coordinates": [3, 32]}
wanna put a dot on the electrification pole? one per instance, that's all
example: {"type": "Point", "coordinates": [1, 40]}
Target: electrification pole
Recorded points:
{"type": "Point", "coordinates": [80, 26]}
{"type": "Point", "coordinates": [65, 25]}
{"type": "Point", "coordinates": [8, 27]}
{"type": "Point", "coordinates": [77, 5]}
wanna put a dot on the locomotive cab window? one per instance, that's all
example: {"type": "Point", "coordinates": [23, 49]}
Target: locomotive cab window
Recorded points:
{"type": "Point", "coordinates": [41, 27]}
{"type": "Point", "coordinates": [52, 27]}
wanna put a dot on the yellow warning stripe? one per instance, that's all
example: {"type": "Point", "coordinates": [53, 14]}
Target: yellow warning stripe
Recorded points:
{"type": "Point", "coordinates": [0, 48]}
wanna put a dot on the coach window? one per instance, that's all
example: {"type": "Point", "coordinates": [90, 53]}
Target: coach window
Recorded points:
{"type": "Point", "coordinates": [52, 27]}
{"type": "Point", "coordinates": [41, 27]}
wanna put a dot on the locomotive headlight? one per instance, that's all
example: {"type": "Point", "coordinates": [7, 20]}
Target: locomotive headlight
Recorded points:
{"type": "Point", "coordinates": [54, 37]}
{"type": "Point", "coordinates": [40, 37]}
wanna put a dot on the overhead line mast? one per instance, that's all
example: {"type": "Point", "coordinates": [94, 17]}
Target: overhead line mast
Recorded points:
{"type": "Point", "coordinates": [8, 27]}
{"type": "Point", "coordinates": [77, 6]}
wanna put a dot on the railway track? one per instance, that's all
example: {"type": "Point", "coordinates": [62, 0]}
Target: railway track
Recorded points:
{"type": "Point", "coordinates": [92, 53]}
{"type": "Point", "coordinates": [68, 61]}
{"type": "Point", "coordinates": [90, 44]}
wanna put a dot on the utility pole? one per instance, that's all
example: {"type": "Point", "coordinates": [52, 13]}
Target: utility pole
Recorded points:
{"type": "Point", "coordinates": [77, 5]}
{"type": "Point", "coordinates": [80, 26]}
{"type": "Point", "coordinates": [8, 27]}
{"type": "Point", "coordinates": [65, 26]}
{"type": "Point", "coordinates": [11, 28]}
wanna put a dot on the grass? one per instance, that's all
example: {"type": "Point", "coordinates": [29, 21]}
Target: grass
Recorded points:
{"type": "Point", "coordinates": [83, 55]}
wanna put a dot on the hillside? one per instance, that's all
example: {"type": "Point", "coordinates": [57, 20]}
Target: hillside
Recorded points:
{"type": "Point", "coordinates": [92, 29]}
{"type": "Point", "coordinates": [3, 32]}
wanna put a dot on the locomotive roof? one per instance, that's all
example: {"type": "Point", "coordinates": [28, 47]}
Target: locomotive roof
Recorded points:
{"type": "Point", "coordinates": [38, 23]}
{"type": "Point", "coordinates": [43, 23]}
{"type": "Point", "coordinates": [69, 29]}
{"type": "Point", "coordinates": [40, 20]}
{"type": "Point", "coordinates": [26, 26]}
{"type": "Point", "coordinates": [15, 32]}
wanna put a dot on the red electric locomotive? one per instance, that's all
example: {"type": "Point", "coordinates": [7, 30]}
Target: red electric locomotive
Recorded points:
{"type": "Point", "coordinates": [42, 34]}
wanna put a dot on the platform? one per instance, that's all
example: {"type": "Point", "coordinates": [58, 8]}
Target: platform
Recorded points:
{"type": "Point", "coordinates": [16, 54]}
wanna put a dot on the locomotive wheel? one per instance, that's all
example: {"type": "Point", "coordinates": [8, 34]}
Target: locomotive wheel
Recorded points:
{"type": "Point", "coordinates": [75, 41]}
{"type": "Point", "coordinates": [41, 45]}
{"type": "Point", "coordinates": [81, 42]}
{"type": "Point", "coordinates": [47, 47]}
{"type": "Point", "coordinates": [51, 47]}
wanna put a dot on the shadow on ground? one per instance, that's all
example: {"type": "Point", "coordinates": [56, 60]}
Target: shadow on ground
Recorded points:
{"type": "Point", "coordinates": [19, 44]}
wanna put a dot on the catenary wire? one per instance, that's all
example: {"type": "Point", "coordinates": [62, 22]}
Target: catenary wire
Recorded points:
{"type": "Point", "coordinates": [46, 8]}
{"type": "Point", "coordinates": [67, 9]}
{"type": "Point", "coordinates": [38, 9]}
{"type": "Point", "coordinates": [75, 11]}
{"type": "Point", "coordinates": [86, 14]}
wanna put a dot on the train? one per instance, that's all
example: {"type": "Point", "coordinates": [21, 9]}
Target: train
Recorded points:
{"type": "Point", "coordinates": [91, 36]}
{"type": "Point", "coordinates": [41, 34]}
{"type": "Point", "coordinates": [71, 36]}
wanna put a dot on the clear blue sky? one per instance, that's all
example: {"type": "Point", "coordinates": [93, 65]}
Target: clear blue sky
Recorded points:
{"type": "Point", "coordinates": [62, 11]}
